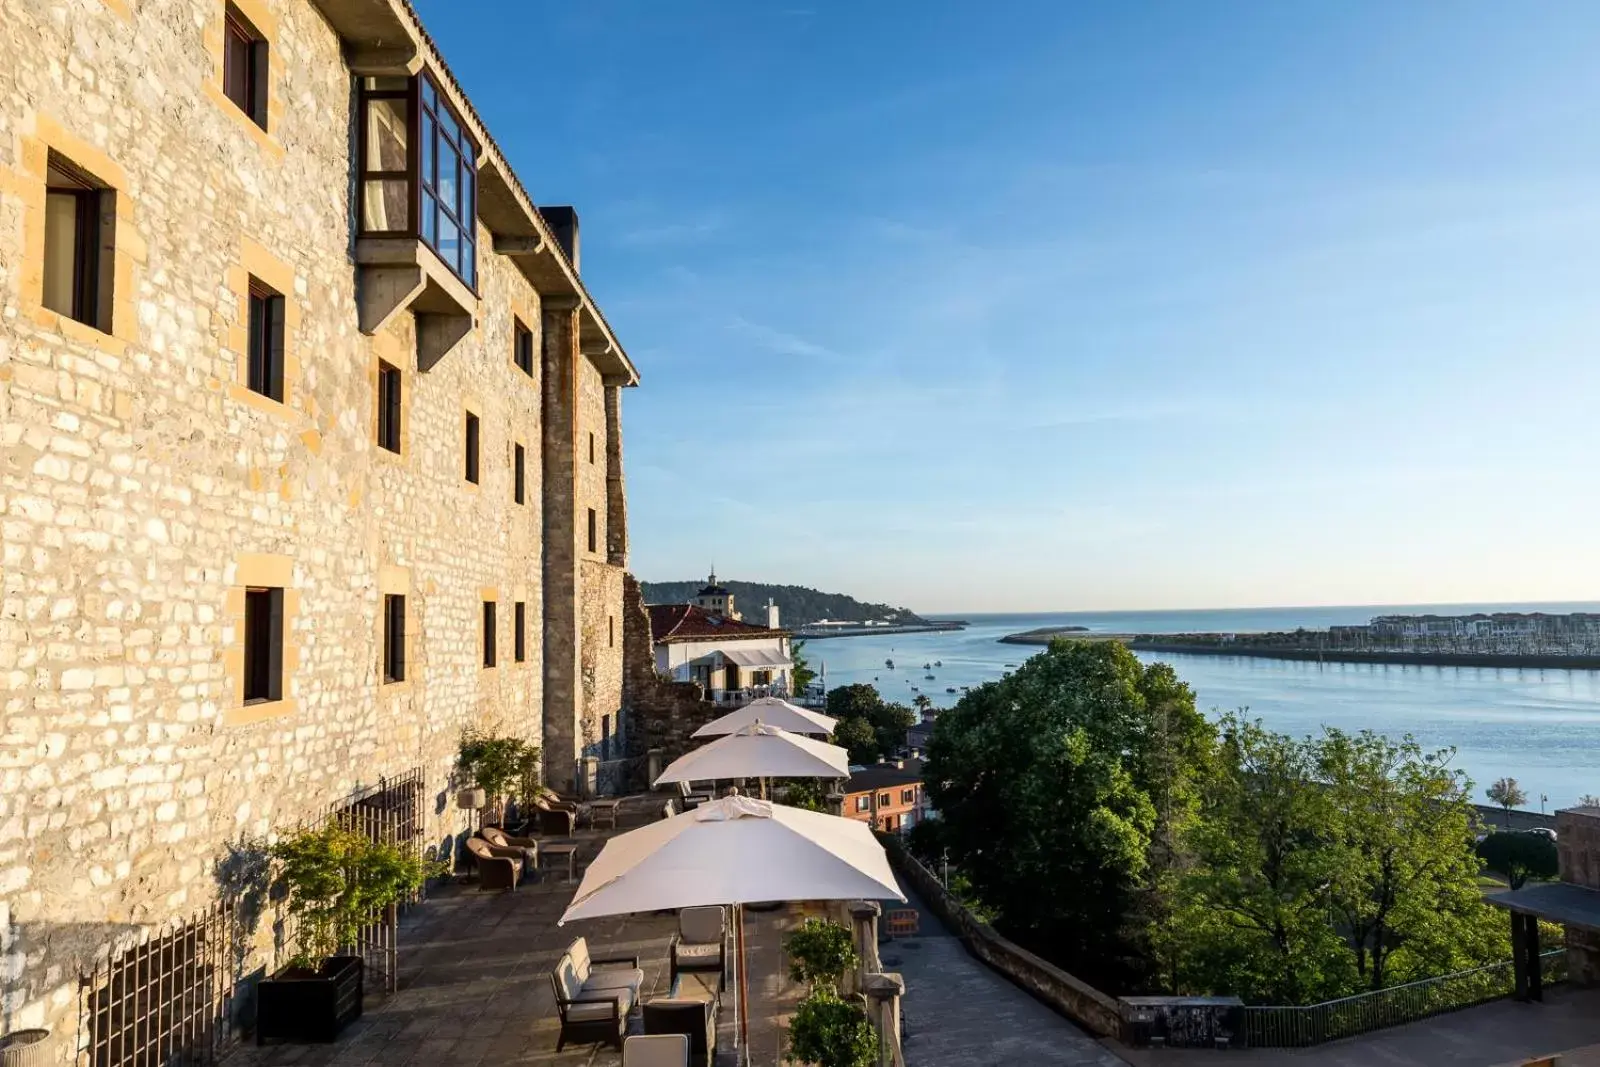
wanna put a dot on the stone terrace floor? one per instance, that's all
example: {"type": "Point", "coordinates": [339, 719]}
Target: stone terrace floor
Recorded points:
{"type": "Point", "coordinates": [474, 983]}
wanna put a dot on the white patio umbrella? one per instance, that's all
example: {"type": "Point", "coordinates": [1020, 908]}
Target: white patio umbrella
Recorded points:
{"type": "Point", "coordinates": [759, 751]}
{"type": "Point", "coordinates": [773, 711]}
{"type": "Point", "coordinates": [735, 851]}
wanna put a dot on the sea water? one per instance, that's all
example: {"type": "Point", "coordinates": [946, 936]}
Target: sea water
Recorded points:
{"type": "Point", "coordinates": [1539, 726]}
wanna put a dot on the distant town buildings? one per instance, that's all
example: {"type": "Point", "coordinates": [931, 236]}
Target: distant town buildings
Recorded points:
{"type": "Point", "coordinates": [888, 796]}
{"type": "Point", "coordinates": [1500, 631]}
{"type": "Point", "coordinates": [707, 641]}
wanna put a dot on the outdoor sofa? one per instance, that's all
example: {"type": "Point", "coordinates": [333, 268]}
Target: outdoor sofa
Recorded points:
{"type": "Point", "coordinates": [594, 996]}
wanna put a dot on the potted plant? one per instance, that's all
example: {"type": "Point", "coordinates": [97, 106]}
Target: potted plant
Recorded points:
{"type": "Point", "coordinates": [337, 881]}
{"type": "Point", "coordinates": [820, 952]}
{"type": "Point", "coordinates": [829, 1032]}
{"type": "Point", "coordinates": [495, 764]}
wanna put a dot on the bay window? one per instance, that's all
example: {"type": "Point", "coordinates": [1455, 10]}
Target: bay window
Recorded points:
{"type": "Point", "coordinates": [418, 170]}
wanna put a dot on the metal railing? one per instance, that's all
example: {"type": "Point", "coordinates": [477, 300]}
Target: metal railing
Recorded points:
{"type": "Point", "coordinates": [166, 1000]}
{"type": "Point", "coordinates": [1314, 1024]}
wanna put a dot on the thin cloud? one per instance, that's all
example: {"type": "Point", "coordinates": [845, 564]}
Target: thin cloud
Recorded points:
{"type": "Point", "coordinates": [779, 342]}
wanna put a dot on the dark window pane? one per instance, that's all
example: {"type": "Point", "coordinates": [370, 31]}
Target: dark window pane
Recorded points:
{"type": "Point", "coordinates": [389, 407]}
{"type": "Point", "coordinates": [425, 168]}
{"type": "Point", "coordinates": [518, 637]}
{"type": "Point", "coordinates": [469, 185]}
{"type": "Point", "coordinates": [266, 342]}
{"type": "Point", "coordinates": [385, 205]}
{"type": "Point", "coordinates": [263, 645]}
{"type": "Point", "coordinates": [448, 128]}
{"type": "Point", "coordinates": [472, 449]}
{"type": "Point", "coordinates": [394, 638]}
{"type": "Point", "coordinates": [430, 212]}
{"type": "Point", "coordinates": [449, 243]}
{"type": "Point", "coordinates": [469, 263]}
{"type": "Point", "coordinates": [429, 99]}
{"type": "Point", "coordinates": [245, 66]}
{"type": "Point", "coordinates": [517, 473]}
{"type": "Point", "coordinates": [386, 134]}
{"type": "Point", "coordinates": [593, 529]}
{"type": "Point", "coordinates": [447, 186]}
{"type": "Point", "coordinates": [488, 633]}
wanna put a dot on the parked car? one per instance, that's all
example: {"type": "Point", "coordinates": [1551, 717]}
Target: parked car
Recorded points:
{"type": "Point", "coordinates": [1542, 831]}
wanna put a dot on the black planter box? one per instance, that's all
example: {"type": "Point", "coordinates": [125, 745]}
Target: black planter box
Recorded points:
{"type": "Point", "coordinates": [300, 1005]}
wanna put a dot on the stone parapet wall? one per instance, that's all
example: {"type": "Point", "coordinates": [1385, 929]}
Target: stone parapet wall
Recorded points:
{"type": "Point", "coordinates": [1091, 1009]}
{"type": "Point", "coordinates": [662, 713]}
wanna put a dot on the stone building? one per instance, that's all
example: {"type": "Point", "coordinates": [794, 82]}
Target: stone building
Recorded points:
{"type": "Point", "coordinates": [310, 453]}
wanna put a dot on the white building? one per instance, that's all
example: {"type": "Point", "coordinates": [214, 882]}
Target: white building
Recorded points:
{"type": "Point", "coordinates": [707, 642]}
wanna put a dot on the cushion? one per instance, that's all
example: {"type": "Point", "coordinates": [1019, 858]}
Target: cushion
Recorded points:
{"type": "Point", "coordinates": [689, 950]}
{"type": "Point", "coordinates": [580, 1013]}
{"type": "Point", "coordinates": [655, 1050]}
{"type": "Point", "coordinates": [579, 951]}
{"type": "Point", "coordinates": [567, 978]}
{"type": "Point", "coordinates": [610, 978]}
{"type": "Point", "coordinates": [701, 924]}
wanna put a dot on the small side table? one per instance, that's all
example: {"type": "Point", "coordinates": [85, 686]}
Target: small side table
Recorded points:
{"type": "Point", "coordinates": [555, 852]}
{"type": "Point", "coordinates": [603, 809]}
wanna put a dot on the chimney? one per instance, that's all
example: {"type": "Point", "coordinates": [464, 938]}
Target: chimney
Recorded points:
{"type": "Point", "coordinates": [900, 764]}
{"type": "Point", "coordinates": [772, 614]}
{"type": "Point", "coordinates": [563, 222]}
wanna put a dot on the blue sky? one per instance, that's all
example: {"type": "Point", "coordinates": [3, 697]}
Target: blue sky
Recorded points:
{"type": "Point", "coordinates": [1058, 305]}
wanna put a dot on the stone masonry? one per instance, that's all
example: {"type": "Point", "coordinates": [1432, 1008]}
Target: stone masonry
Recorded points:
{"type": "Point", "coordinates": [144, 487]}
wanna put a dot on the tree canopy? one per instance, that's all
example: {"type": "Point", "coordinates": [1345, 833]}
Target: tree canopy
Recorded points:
{"type": "Point", "coordinates": [869, 726]}
{"type": "Point", "coordinates": [1520, 856]}
{"type": "Point", "coordinates": [797, 604]}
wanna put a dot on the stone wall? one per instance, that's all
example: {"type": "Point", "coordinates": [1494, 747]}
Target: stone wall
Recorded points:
{"type": "Point", "coordinates": [142, 488]}
{"type": "Point", "coordinates": [662, 713]}
{"type": "Point", "coordinates": [1072, 997]}
{"type": "Point", "coordinates": [1578, 845]}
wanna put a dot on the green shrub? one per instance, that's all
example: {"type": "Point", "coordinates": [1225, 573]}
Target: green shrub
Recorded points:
{"type": "Point", "coordinates": [820, 952]}
{"type": "Point", "coordinates": [495, 764]}
{"type": "Point", "coordinates": [828, 1032]}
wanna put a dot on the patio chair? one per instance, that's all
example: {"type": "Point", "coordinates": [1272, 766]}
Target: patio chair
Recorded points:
{"type": "Point", "coordinates": [692, 799]}
{"type": "Point", "coordinates": [498, 868]}
{"type": "Point", "coordinates": [695, 1017]}
{"type": "Point", "coordinates": [669, 809]}
{"type": "Point", "coordinates": [594, 1001]}
{"type": "Point", "coordinates": [550, 799]}
{"type": "Point", "coordinates": [655, 1050]}
{"type": "Point", "coordinates": [528, 846]}
{"type": "Point", "coordinates": [701, 943]}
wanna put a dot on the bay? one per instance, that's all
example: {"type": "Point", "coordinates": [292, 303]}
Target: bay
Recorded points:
{"type": "Point", "coordinates": [1539, 726]}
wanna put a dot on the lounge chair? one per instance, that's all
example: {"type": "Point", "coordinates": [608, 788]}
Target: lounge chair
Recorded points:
{"type": "Point", "coordinates": [594, 1001]}
{"type": "Point", "coordinates": [498, 868]}
{"type": "Point", "coordinates": [550, 800]}
{"type": "Point", "coordinates": [692, 799]}
{"type": "Point", "coordinates": [695, 1017]}
{"type": "Point", "coordinates": [528, 846]}
{"type": "Point", "coordinates": [701, 943]}
{"type": "Point", "coordinates": [656, 1050]}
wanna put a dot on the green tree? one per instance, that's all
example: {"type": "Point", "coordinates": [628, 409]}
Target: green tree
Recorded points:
{"type": "Point", "coordinates": [820, 952]}
{"type": "Point", "coordinates": [1253, 918]}
{"type": "Point", "coordinates": [1060, 775]}
{"type": "Point", "coordinates": [1404, 887]}
{"type": "Point", "coordinates": [922, 702]}
{"type": "Point", "coordinates": [829, 1032]}
{"type": "Point", "coordinates": [855, 701]}
{"type": "Point", "coordinates": [889, 725]}
{"type": "Point", "coordinates": [1589, 800]}
{"type": "Point", "coordinates": [1519, 857]}
{"type": "Point", "coordinates": [1508, 794]}
{"type": "Point", "coordinates": [800, 671]}
{"type": "Point", "coordinates": [857, 736]}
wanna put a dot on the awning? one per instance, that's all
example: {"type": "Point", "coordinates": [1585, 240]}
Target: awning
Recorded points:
{"type": "Point", "coordinates": [755, 657]}
{"type": "Point", "coordinates": [1557, 902]}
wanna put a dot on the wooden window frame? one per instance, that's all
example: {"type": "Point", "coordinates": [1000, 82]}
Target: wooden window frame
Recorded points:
{"type": "Point", "coordinates": [263, 644]}
{"type": "Point", "coordinates": [265, 358]}
{"type": "Point", "coordinates": [92, 278]}
{"type": "Point", "coordinates": [519, 632]}
{"type": "Point", "coordinates": [390, 407]}
{"type": "Point", "coordinates": [394, 638]}
{"type": "Point", "coordinates": [473, 445]}
{"type": "Point", "coordinates": [908, 796]}
{"type": "Point", "coordinates": [249, 90]}
{"type": "Point", "coordinates": [864, 803]}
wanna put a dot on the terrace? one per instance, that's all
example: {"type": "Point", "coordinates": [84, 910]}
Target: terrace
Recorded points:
{"type": "Point", "coordinates": [474, 983]}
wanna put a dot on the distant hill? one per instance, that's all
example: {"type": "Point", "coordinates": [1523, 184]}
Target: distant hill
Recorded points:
{"type": "Point", "coordinates": [797, 605]}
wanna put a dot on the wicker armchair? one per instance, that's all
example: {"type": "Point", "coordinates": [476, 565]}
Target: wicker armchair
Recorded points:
{"type": "Point", "coordinates": [498, 868]}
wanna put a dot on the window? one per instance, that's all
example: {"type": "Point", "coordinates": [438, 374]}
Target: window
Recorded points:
{"type": "Point", "coordinates": [263, 645]}
{"type": "Point", "coordinates": [266, 341]}
{"type": "Point", "coordinates": [385, 141]}
{"type": "Point", "coordinates": [394, 638]}
{"type": "Point", "coordinates": [472, 448]}
{"type": "Point", "coordinates": [611, 631]}
{"type": "Point", "coordinates": [591, 448]}
{"type": "Point", "coordinates": [593, 532]}
{"type": "Point", "coordinates": [244, 67]}
{"type": "Point", "coordinates": [908, 796]}
{"type": "Point", "coordinates": [518, 463]}
{"type": "Point", "coordinates": [488, 633]}
{"type": "Point", "coordinates": [522, 347]}
{"type": "Point", "coordinates": [388, 406]}
{"type": "Point", "coordinates": [883, 800]}
{"type": "Point", "coordinates": [77, 261]}
{"type": "Point", "coordinates": [448, 177]}
{"type": "Point", "coordinates": [519, 631]}
{"type": "Point", "coordinates": [863, 803]}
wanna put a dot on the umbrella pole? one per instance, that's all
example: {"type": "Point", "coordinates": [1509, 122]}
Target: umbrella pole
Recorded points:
{"type": "Point", "coordinates": [742, 1039]}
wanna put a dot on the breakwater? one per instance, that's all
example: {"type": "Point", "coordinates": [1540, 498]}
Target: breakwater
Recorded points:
{"type": "Point", "coordinates": [1428, 658]}
{"type": "Point", "coordinates": [805, 634]}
